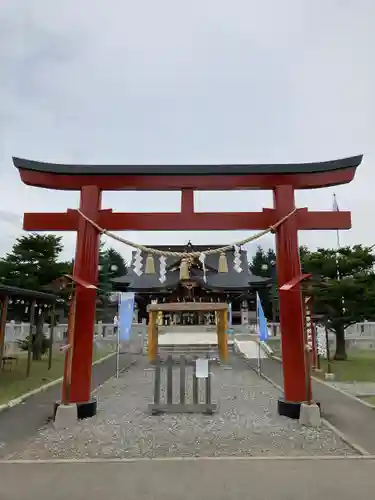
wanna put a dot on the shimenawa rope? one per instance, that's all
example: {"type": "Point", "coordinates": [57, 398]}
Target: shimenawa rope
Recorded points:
{"type": "Point", "coordinates": [167, 253]}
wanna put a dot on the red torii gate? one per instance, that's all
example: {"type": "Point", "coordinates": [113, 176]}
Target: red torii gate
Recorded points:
{"type": "Point", "coordinates": [282, 179]}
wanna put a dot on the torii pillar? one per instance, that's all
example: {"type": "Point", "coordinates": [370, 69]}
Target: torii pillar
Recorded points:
{"type": "Point", "coordinates": [282, 179]}
{"type": "Point", "coordinates": [291, 307]}
{"type": "Point", "coordinates": [86, 266]}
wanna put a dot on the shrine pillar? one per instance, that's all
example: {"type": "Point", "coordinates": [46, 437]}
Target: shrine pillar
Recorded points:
{"type": "Point", "coordinates": [85, 267]}
{"type": "Point", "coordinates": [291, 305]}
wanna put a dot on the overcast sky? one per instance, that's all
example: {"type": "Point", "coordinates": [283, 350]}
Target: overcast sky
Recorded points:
{"type": "Point", "coordinates": [251, 81]}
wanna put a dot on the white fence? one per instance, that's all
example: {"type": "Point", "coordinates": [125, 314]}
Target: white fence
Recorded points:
{"type": "Point", "coordinates": [357, 336]}
{"type": "Point", "coordinates": [18, 331]}
{"type": "Point", "coordinates": [356, 331]}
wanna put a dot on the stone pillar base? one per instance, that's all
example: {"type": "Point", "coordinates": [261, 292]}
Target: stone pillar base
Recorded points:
{"type": "Point", "coordinates": [65, 417]}
{"type": "Point", "coordinates": [310, 415]}
{"type": "Point", "coordinates": [82, 410]}
{"type": "Point", "coordinates": [291, 409]}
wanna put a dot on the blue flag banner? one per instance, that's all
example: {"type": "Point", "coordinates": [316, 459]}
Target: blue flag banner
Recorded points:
{"type": "Point", "coordinates": [126, 308]}
{"type": "Point", "coordinates": [261, 321]}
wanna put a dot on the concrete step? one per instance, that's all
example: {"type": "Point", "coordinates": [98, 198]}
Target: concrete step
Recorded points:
{"type": "Point", "coordinates": [184, 329]}
{"type": "Point", "coordinates": [247, 337]}
{"type": "Point", "coordinates": [189, 352]}
{"type": "Point", "coordinates": [191, 349]}
{"type": "Point", "coordinates": [193, 338]}
{"type": "Point", "coordinates": [188, 348]}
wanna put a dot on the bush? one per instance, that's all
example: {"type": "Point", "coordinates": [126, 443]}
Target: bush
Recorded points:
{"type": "Point", "coordinates": [23, 344]}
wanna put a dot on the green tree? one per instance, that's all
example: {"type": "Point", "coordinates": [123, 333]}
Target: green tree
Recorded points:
{"type": "Point", "coordinates": [343, 288]}
{"type": "Point", "coordinates": [263, 264]}
{"type": "Point", "coordinates": [111, 265]}
{"type": "Point", "coordinates": [33, 264]}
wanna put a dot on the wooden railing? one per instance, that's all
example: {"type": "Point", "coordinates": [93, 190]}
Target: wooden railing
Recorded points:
{"type": "Point", "coordinates": [186, 403]}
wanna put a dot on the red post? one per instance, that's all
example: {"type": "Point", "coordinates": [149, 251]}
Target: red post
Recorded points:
{"type": "Point", "coordinates": [187, 202]}
{"type": "Point", "coordinates": [85, 268]}
{"type": "Point", "coordinates": [291, 306]}
{"type": "Point", "coordinates": [68, 350]}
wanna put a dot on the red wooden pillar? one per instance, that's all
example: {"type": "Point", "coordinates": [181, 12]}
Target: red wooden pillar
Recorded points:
{"type": "Point", "coordinates": [291, 305]}
{"type": "Point", "coordinates": [86, 268]}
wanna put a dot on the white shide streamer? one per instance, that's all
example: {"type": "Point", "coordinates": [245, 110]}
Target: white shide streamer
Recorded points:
{"type": "Point", "coordinates": [138, 262]}
{"type": "Point", "coordinates": [163, 266]}
{"type": "Point", "coordinates": [237, 259]}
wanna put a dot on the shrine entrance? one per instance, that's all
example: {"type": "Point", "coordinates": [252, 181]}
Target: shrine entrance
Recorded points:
{"type": "Point", "coordinates": [284, 219]}
{"type": "Point", "coordinates": [220, 309]}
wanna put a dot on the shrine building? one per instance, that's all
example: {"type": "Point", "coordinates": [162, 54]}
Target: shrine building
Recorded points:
{"type": "Point", "coordinates": [195, 282]}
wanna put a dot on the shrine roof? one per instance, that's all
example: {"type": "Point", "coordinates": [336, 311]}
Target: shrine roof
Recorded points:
{"type": "Point", "coordinates": [23, 293]}
{"type": "Point", "coordinates": [187, 169]}
{"type": "Point", "coordinates": [186, 248]}
{"type": "Point", "coordinates": [232, 280]}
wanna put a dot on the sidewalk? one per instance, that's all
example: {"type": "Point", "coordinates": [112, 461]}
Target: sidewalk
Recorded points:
{"type": "Point", "coordinates": [212, 479]}
{"type": "Point", "coordinates": [349, 416]}
{"type": "Point", "coordinates": [21, 422]}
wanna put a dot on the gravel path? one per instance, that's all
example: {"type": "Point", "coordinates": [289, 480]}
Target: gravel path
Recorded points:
{"type": "Point", "coordinates": [246, 424]}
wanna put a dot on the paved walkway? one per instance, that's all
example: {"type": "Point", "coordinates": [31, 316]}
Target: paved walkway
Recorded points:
{"type": "Point", "coordinates": [186, 339]}
{"type": "Point", "coordinates": [20, 423]}
{"type": "Point", "coordinates": [246, 423]}
{"type": "Point", "coordinates": [351, 417]}
{"type": "Point", "coordinates": [250, 349]}
{"type": "Point", "coordinates": [356, 388]}
{"type": "Point", "coordinates": [191, 479]}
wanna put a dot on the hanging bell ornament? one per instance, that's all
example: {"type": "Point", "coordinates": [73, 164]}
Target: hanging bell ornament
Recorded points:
{"type": "Point", "coordinates": [223, 263]}
{"type": "Point", "coordinates": [150, 264]}
{"type": "Point", "coordinates": [184, 269]}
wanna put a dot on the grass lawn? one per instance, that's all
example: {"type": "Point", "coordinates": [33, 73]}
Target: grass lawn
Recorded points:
{"type": "Point", "coordinates": [13, 383]}
{"type": "Point", "coordinates": [360, 367]}
{"type": "Point", "coordinates": [369, 399]}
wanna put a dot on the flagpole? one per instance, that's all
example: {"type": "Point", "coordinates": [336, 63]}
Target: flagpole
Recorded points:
{"type": "Point", "coordinates": [118, 344]}
{"type": "Point", "coordinates": [338, 238]}
{"type": "Point", "coordinates": [118, 353]}
{"type": "Point", "coordinates": [258, 332]}
{"type": "Point", "coordinates": [336, 209]}
{"type": "Point", "coordinates": [259, 365]}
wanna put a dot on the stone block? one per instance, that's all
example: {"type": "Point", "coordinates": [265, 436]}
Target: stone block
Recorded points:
{"type": "Point", "coordinates": [66, 416]}
{"type": "Point", "coordinates": [310, 415]}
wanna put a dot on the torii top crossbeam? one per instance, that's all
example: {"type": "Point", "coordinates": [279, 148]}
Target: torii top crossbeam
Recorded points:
{"type": "Point", "coordinates": [187, 178]}
{"type": "Point", "coordinates": [198, 177]}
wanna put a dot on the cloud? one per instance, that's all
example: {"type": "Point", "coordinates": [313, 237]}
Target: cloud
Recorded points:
{"type": "Point", "coordinates": [11, 226]}
{"type": "Point", "coordinates": [203, 81]}
{"type": "Point", "coordinates": [10, 218]}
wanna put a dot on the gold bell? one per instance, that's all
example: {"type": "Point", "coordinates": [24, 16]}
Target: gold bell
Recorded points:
{"type": "Point", "coordinates": [150, 264]}
{"type": "Point", "coordinates": [223, 263]}
{"type": "Point", "coordinates": [184, 269]}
